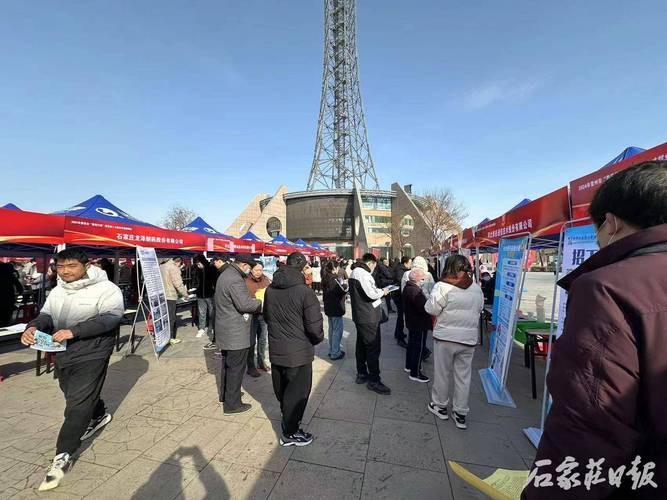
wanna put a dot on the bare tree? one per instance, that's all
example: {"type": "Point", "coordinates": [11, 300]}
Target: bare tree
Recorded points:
{"type": "Point", "coordinates": [178, 217]}
{"type": "Point", "coordinates": [443, 214]}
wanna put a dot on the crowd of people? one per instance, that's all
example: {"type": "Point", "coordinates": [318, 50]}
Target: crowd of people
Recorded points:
{"type": "Point", "coordinates": [607, 369]}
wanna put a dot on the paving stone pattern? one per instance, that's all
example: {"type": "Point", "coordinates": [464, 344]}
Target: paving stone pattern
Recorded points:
{"type": "Point", "coordinates": [169, 438]}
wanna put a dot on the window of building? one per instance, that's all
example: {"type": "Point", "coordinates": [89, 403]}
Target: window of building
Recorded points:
{"type": "Point", "coordinates": [376, 202]}
{"type": "Point", "coordinates": [378, 219]}
{"type": "Point", "coordinates": [407, 225]}
{"type": "Point", "coordinates": [273, 227]}
{"type": "Point", "coordinates": [407, 251]}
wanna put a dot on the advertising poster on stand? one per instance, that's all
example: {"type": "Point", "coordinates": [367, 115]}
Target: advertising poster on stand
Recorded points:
{"type": "Point", "coordinates": [157, 301]}
{"type": "Point", "coordinates": [509, 283]}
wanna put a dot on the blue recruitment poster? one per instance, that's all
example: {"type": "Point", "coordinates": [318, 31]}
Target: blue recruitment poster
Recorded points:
{"type": "Point", "coordinates": [270, 265]}
{"type": "Point", "coordinates": [507, 249]}
{"type": "Point", "coordinates": [579, 244]}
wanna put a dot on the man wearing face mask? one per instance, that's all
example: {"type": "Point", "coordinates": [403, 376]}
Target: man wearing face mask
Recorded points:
{"type": "Point", "coordinates": [608, 370]}
{"type": "Point", "coordinates": [234, 307]}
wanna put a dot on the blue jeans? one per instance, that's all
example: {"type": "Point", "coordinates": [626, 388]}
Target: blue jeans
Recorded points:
{"type": "Point", "coordinates": [259, 337]}
{"type": "Point", "coordinates": [335, 335]}
{"type": "Point", "coordinates": [206, 309]}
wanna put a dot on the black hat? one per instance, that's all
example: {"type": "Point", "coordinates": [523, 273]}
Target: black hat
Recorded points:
{"type": "Point", "coordinates": [297, 259]}
{"type": "Point", "coordinates": [245, 258]}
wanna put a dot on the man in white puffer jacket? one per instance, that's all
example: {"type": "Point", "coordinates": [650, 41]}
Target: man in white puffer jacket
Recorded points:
{"type": "Point", "coordinates": [457, 302]}
{"type": "Point", "coordinates": [85, 310]}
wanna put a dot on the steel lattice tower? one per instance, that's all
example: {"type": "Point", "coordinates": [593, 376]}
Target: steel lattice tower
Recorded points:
{"type": "Point", "coordinates": [342, 155]}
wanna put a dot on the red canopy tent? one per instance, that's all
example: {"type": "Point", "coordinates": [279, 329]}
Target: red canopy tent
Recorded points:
{"type": "Point", "coordinates": [583, 188]}
{"type": "Point", "coordinates": [31, 227]}
{"type": "Point", "coordinates": [542, 218]}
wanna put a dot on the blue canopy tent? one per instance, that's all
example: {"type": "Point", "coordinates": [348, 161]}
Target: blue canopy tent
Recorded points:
{"type": "Point", "coordinates": [250, 236]}
{"type": "Point", "coordinates": [11, 206]}
{"type": "Point", "coordinates": [99, 208]}
{"type": "Point", "coordinates": [301, 243]}
{"type": "Point", "coordinates": [200, 226]}
{"type": "Point", "coordinates": [625, 154]}
{"type": "Point", "coordinates": [281, 240]}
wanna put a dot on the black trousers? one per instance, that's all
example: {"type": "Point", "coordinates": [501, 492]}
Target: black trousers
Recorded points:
{"type": "Point", "coordinates": [368, 350]}
{"type": "Point", "coordinates": [81, 384]}
{"type": "Point", "coordinates": [399, 334]}
{"type": "Point", "coordinates": [415, 351]}
{"type": "Point", "coordinates": [387, 299]}
{"type": "Point", "coordinates": [231, 377]}
{"type": "Point", "coordinates": [292, 388]}
{"type": "Point", "coordinates": [171, 310]}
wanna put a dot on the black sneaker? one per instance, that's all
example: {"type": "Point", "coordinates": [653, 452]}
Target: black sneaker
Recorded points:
{"type": "Point", "coordinates": [210, 346]}
{"type": "Point", "coordinates": [340, 356]}
{"type": "Point", "coordinates": [460, 421]}
{"type": "Point", "coordinates": [401, 343]}
{"type": "Point", "coordinates": [241, 409]}
{"type": "Point", "coordinates": [299, 438]}
{"type": "Point", "coordinates": [439, 412]}
{"type": "Point", "coordinates": [420, 378]}
{"type": "Point", "coordinates": [406, 370]}
{"type": "Point", "coordinates": [361, 379]}
{"type": "Point", "coordinates": [95, 425]}
{"type": "Point", "coordinates": [378, 387]}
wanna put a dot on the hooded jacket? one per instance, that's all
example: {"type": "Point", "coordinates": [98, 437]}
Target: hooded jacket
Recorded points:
{"type": "Point", "coordinates": [366, 298]}
{"type": "Point", "coordinates": [173, 281]}
{"type": "Point", "coordinates": [292, 314]}
{"type": "Point", "coordinates": [456, 306]}
{"type": "Point", "coordinates": [419, 262]}
{"type": "Point", "coordinates": [91, 308]}
{"type": "Point", "coordinates": [234, 308]}
{"type": "Point", "coordinates": [383, 275]}
{"type": "Point", "coordinates": [609, 370]}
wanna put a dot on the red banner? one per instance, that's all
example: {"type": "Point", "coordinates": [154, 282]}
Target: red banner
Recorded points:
{"type": "Point", "coordinates": [583, 189]}
{"type": "Point", "coordinates": [31, 227]}
{"type": "Point", "coordinates": [544, 216]}
{"type": "Point", "coordinates": [233, 245]}
{"type": "Point", "coordinates": [93, 232]}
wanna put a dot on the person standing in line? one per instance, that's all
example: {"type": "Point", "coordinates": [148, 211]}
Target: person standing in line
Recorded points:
{"type": "Point", "coordinates": [334, 289]}
{"type": "Point", "coordinates": [402, 266]}
{"type": "Point", "coordinates": [420, 262]}
{"type": "Point", "coordinates": [170, 269]}
{"type": "Point", "coordinates": [10, 286]}
{"type": "Point", "coordinates": [84, 309]}
{"type": "Point", "coordinates": [383, 278]}
{"type": "Point", "coordinates": [457, 302]}
{"type": "Point", "coordinates": [418, 321]}
{"type": "Point", "coordinates": [317, 277]}
{"type": "Point", "coordinates": [234, 307]}
{"type": "Point", "coordinates": [292, 312]}
{"type": "Point", "coordinates": [608, 371]}
{"type": "Point", "coordinates": [366, 299]}
{"type": "Point", "coordinates": [205, 291]}
{"type": "Point", "coordinates": [255, 282]}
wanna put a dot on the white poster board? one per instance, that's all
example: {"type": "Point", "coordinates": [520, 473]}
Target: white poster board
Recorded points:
{"type": "Point", "coordinates": [157, 301]}
{"type": "Point", "coordinates": [579, 244]}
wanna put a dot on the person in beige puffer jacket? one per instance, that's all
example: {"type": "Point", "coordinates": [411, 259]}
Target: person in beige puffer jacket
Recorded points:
{"type": "Point", "coordinates": [170, 269]}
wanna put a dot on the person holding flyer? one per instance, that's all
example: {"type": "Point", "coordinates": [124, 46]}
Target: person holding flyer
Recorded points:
{"type": "Point", "coordinates": [82, 312]}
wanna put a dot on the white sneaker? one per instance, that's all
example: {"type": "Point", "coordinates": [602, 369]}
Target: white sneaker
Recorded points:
{"type": "Point", "coordinates": [56, 472]}
{"type": "Point", "coordinates": [200, 334]}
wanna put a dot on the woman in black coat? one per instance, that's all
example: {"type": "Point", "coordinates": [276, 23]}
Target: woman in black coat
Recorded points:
{"type": "Point", "coordinates": [334, 289]}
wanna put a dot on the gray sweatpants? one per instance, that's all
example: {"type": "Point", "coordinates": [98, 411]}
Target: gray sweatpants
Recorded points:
{"type": "Point", "coordinates": [452, 360]}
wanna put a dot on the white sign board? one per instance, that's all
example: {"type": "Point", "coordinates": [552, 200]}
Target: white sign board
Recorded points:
{"type": "Point", "coordinates": [157, 301]}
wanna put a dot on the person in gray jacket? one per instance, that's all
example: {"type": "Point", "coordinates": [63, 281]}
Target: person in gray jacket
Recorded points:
{"type": "Point", "coordinates": [234, 307]}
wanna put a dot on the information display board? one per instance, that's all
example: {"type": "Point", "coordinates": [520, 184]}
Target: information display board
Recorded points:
{"type": "Point", "coordinates": [157, 301]}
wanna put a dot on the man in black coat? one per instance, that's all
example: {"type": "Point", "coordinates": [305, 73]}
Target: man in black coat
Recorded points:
{"type": "Point", "coordinates": [292, 313]}
{"type": "Point", "coordinates": [399, 270]}
{"type": "Point", "coordinates": [383, 278]}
